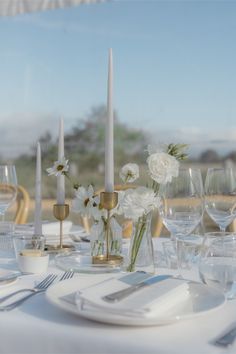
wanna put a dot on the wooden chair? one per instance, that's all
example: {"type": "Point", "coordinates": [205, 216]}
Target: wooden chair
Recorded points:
{"type": "Point", "coordinates": [22, 205]}
{"type": "Point", "coordinates": [127, 223]}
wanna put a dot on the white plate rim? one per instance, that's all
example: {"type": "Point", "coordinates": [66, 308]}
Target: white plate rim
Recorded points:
{"type": "Point", "coordinates": [10, 281]}
{"type": "Point", "coordinates": [58, 290]}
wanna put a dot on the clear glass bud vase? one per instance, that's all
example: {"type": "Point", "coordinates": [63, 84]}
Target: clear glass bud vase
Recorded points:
{"type": "Point", "coordinates": [98, 238]}
{"type": "Point", "coordinates": [141, 255]}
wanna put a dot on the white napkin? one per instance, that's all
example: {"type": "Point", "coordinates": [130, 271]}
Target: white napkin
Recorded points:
{"type": "Point", "coordinates": [148, 302]}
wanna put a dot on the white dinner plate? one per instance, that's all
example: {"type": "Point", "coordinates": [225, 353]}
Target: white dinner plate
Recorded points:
{"type": "Point", "coordinates": [202, 299]}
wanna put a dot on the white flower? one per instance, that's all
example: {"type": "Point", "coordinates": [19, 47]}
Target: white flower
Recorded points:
{"type": "Point", "coordinates": [138, 202]}
{"type": "Point", "coordinates": [162, 167]}
{"type": "Point", "coordinates": [59, 167]}
{"type": "Point", "coordinates": [94, 208]}
{"type": "Point", "coordinates": [84, 201]}
{"type": "Point", "coordinates": [129, 172]}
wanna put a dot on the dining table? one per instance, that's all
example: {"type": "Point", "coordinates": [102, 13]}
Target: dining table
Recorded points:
{"type": "Point", "coordinates": [40, 326]}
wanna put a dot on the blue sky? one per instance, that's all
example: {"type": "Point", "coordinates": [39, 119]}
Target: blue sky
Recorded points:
{"type": "Point", "coordinates": [174, 68]}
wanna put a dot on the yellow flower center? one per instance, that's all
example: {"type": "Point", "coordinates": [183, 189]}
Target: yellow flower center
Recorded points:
{"type": "Point", "coordinates": [60, 167]}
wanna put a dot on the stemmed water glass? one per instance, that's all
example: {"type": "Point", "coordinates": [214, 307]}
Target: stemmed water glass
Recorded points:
{"type": "Point", "coordinates": [220, 196]}
{"type": "Point", "coordinates": [182, 202]}
{"type": "Point", "coordinates": [8, 187]}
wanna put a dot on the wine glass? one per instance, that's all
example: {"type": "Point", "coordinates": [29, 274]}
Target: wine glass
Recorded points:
{"type": "Point", "coordinates": [8, 187]}
{"type": "Point", "coordinates": [182, 202]}
{"type": "Point", "coordinates": [220, 196]}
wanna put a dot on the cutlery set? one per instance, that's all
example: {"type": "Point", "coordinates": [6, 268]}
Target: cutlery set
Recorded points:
{"type": "Point", "coordinates": [39, 288]}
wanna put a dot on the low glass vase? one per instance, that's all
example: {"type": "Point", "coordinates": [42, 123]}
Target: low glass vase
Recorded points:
{"type": "Point", "coordinates": [98, 238]}
{"type": "Point", "coordinates": [141, 254]}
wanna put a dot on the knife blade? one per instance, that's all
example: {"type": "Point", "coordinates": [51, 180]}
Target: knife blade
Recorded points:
{"type": "Point", "coordinates": [121, 294]}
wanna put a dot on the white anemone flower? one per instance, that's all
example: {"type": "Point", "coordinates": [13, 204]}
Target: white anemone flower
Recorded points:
{"type": "Point", "coordinates": [162, 167]}
{"type": "Point", "coordinates": [129, 172]}
{"type": "Point", "coordinates": [94, 208]}
{"type": "Point", "coordinates": [59, 167]}
{"type": "Point", "coordinates": [83, 200]}
{"type": "Point", "coordinates": [139, 202]}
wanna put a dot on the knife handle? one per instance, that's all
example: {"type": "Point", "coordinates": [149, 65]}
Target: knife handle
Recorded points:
{"type": "Point", "coordinates": [121, 294]}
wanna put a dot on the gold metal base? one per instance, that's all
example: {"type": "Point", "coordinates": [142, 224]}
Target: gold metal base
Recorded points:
{"type": "Point", "coordinates": [58, 248]}
{"type": "Point", "coordinates": [111, 260]}
{"type": "Point", "coordinates": [108, 200]}
{"type": "Point", "coordinates": [61, 211]}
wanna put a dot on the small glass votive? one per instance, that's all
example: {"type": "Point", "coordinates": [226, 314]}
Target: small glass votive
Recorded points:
{"type": "Point", "coordinates": [30, 255]}
{"type": "Point", "coordinates": [170, 255]}
{"type": "Point", "coordinates": [217, 266]}
{"type": "Point", "coordinates": [189, 249]}
{"type": "Point", "coordinates": [212, 236]}
{"type": "Point", "coordinates": [6, 233]}
{"type": "Point", "coordinates": [7, 227]}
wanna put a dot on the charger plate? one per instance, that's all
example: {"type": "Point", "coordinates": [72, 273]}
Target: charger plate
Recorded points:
{"type": "Point", "coordinates": [201, 300]}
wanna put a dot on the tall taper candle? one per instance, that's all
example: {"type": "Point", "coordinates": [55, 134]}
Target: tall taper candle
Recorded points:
{"type": "Point", "coordinates": [109, 145]}
{"type": "Point", "coordinates": [38, 196]}
{"type": "Point", "coordinates": [61, 178]}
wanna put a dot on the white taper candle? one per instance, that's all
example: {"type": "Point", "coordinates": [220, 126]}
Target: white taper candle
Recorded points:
{"type": "Point", "coordinates": [38, 194]}
{"type": "Point", "coordinates": [61, 178]}
{"type": "Point", "coordinates": [109, 144]}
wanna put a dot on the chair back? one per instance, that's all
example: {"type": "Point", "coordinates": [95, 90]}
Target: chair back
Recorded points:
{"type": "Point", "coordinates": [22, 205]}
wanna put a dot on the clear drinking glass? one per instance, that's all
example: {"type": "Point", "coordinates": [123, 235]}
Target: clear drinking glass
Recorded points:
{"type": "Point", "coordinates": [188, 250]}
{"type": "Point", "coordinates": [217, 266]}
{"type": "Point", "coordinates": [8, 187]}
{"type": "Point", "coordinates": [220, 195]}
{"type": "Point", "coordinates": [182, 202]}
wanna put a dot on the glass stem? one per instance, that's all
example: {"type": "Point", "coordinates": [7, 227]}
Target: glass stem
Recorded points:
{"type": "Point", "coordinates": [222, 228]}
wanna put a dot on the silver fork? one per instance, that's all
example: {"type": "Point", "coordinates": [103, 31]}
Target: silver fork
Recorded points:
{"type": "Point", "coordinates": [67, 275]}
{"type": "Point", "coordinates": [40, 288]}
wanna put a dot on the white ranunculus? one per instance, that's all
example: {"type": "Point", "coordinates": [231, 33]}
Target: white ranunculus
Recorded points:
{"type": "Point", "coordinates": [129, 172]}
{"type": "Point", "coordinates": [162, 167]}
{"type": "Point", "coordinates": [138, 202]}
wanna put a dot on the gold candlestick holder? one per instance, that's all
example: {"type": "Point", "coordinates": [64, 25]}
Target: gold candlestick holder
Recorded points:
{"type": "Point", "coordinates": [108, 201]}
{"type": "Point", "coordinates": [61, 212]}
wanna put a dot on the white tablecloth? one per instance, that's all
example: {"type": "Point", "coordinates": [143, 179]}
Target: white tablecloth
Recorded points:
{"type": "Point", "coordinates": [39, 327]}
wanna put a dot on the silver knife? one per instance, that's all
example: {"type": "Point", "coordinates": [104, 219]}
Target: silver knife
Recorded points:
{"type": "Point", "coordinates": [121, 294]}
{"type": "Point", "coordinates": [227, 338]}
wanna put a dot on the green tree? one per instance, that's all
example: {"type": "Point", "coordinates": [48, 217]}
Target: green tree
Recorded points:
{"type": "Point", "coordinates": [85, 149]}
{"type": "Point", "coordinates": [86, 143]}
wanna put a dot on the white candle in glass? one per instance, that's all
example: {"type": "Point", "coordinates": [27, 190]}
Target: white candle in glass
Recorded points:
{"type": "Point", "coordinates": [38, 195]}
{"type": "Point", "coordinates": [109, 145]}
{"type": "Point", "coordinates": [61, 178]}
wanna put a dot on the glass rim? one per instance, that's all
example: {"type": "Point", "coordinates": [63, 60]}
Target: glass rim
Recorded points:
{"type": "Point", "coordinates": [28, 237]}
{"type": "Point", "coordinates": [225, 240]}
{"type": "Point", "coordinates": [226, 233]}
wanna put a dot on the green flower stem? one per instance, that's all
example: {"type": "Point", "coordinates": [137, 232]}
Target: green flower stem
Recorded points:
{"type": "Point", "coordinates": [75, 185]}
{"type": "Point", "coordinates": [139, 232]}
